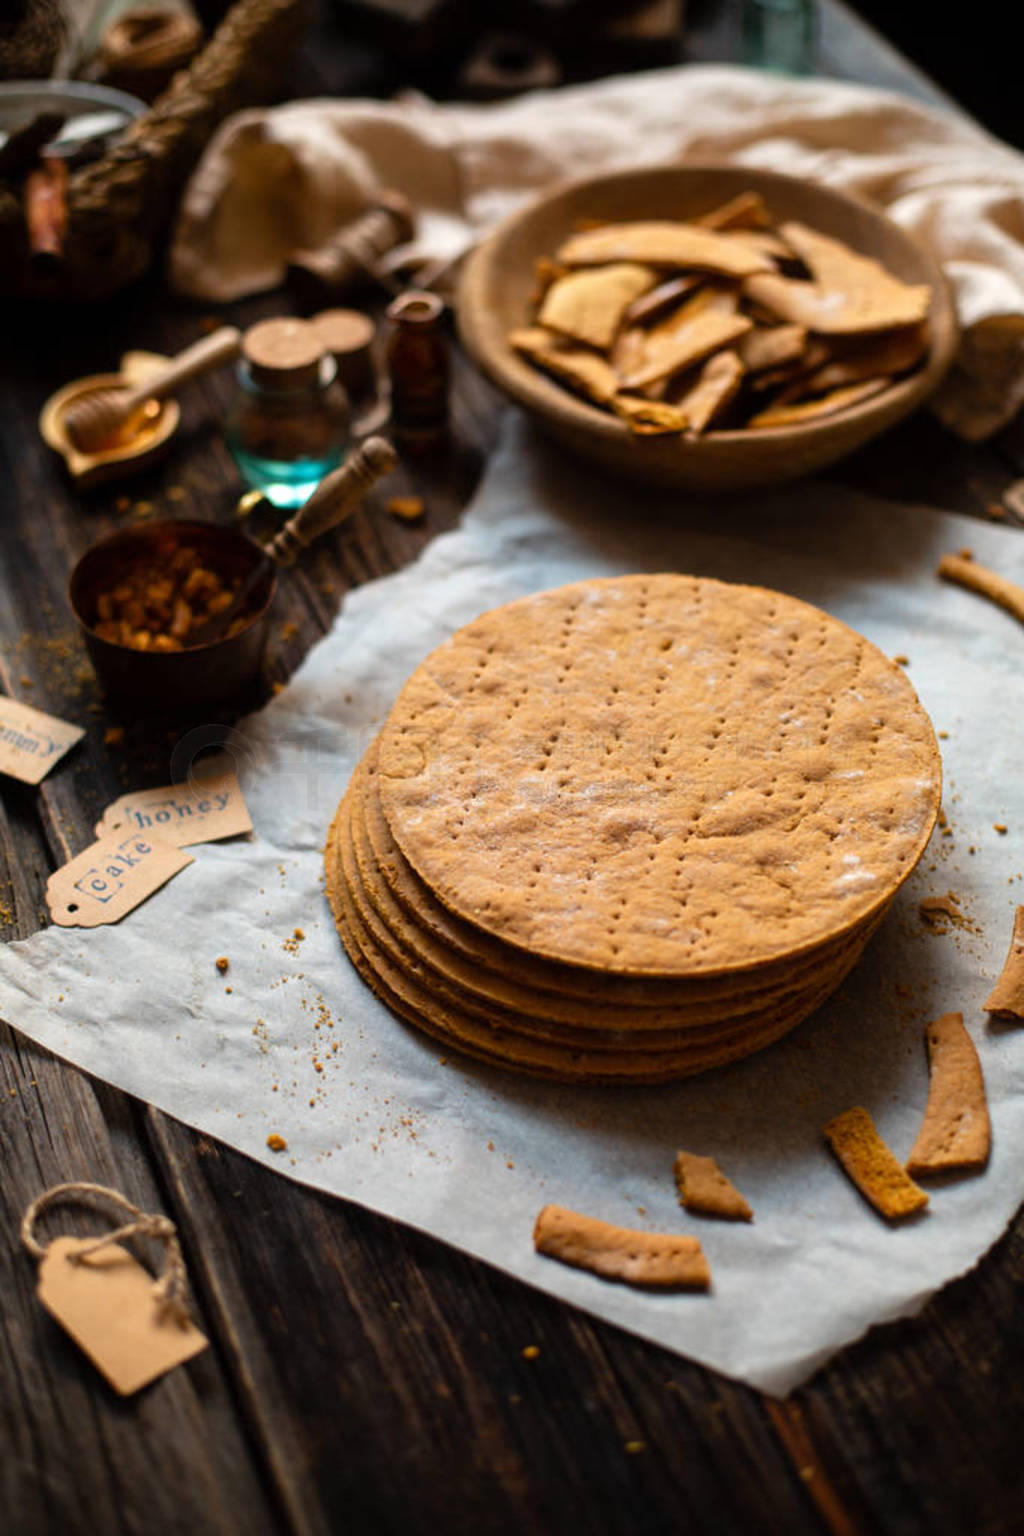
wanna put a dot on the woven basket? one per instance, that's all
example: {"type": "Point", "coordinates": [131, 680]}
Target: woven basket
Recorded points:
{"type": "Point", "coordinates": [120, 207]}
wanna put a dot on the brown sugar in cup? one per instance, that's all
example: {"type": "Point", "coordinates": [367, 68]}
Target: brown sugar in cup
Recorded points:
{"type": "Point", "coordinates": [173, 680]}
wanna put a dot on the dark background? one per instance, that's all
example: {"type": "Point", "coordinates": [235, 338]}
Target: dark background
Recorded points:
{"type": "Point", "coordinates": [972, 51]}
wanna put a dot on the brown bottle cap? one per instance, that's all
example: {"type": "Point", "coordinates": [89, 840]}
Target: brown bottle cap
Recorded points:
{"type": "Point", "coordinates": [283, 352]}
{"type": "Point", "coordinates": [348, 334]}
{"type": "Point", "coordinates": [417, 307]}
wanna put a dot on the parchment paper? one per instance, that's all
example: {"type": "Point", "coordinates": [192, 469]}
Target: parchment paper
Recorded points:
{"type": "Point", "coordinates": [471, 1154]}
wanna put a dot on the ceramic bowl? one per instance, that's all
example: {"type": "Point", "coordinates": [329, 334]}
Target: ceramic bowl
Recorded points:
{"type": "Point", "coordinates": [495, 297]}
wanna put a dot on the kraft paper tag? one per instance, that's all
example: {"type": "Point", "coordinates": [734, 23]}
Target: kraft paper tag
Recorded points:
{"type": "Point", "coordinates": [31, 742]}
{"type": "Point", "coordinates": [110, 878]}
{"type": "Point", "coordinates": [208, 807]}
{"type": "Point", "coordinates": [106, 1303]}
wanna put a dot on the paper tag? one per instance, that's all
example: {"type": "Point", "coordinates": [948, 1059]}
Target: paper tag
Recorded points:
{"type": "Point", "coordinates": [106, 1303]}
{"type": "Point", "coordinates": [110, 878]}
{"type": "Point", "coordinates": [31, 742]}
{"type": "Point", "coordinates": [210, 806]}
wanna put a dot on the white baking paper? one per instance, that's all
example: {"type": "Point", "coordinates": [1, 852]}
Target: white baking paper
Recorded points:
{"type": "Point", "coordinates": [375, 1112]}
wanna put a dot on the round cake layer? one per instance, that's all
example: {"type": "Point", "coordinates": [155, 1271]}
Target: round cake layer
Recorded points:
{"type": "Point", "coordinates": [660, 775]}
{"type": "Point", "coordinates": [510, 979]}
{"type": "Point", "coordinates": [405, 995]}
{"type": "Point", "coordinates": [524, 1014]}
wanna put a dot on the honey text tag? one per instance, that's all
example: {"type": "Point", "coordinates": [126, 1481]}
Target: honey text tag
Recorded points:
{"type": "Point", "coordinates": [110, 878]}
{"type": "Point", "coordinates": [201, 811]}
{"type": "Point", "coordinates": [106, 1303]}
{"type": "Point", "coordinates": [31, 742]}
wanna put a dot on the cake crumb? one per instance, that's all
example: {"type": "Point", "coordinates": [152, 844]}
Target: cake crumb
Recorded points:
{"type": "Point", "coordinates": [531, 1352]}
{"type": "Point", "coordinates": [941, 913]}
{"type": "Point", "coordinates": [276, 1143]}
{"type": "Point", "coordinates": [222, 962]}
{"type": "Point", "coordinates": [409, 508]}
{"type": "Point", "coordinates": [1000, 827]}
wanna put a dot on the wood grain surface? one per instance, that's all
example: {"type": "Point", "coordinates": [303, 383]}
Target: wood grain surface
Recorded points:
{"type": "Point", "coordinates": [363, 1377]}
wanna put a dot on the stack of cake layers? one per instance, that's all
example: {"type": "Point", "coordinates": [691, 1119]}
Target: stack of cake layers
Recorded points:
{"type": "Point", "coordinates": [631, 829]}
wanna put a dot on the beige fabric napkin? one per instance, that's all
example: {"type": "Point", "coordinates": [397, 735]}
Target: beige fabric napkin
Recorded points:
{"type": "Point", "coordinates": [271, 182]}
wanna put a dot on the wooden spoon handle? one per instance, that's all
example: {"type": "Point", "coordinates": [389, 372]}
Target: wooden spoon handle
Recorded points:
{"type": "Point", "coordinates": [334, 499]}
{"type": "Point", "coordinates": [206, 353]}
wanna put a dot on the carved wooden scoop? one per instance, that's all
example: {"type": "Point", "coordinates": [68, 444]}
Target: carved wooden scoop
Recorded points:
{"type": "Point", "coordinates": [96, 419]}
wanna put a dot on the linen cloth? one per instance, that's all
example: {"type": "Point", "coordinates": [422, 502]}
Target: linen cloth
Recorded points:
{"type": "Point", "coordinates": [273, 181]}
{"type": "Point", "coordinates": [373, 1111]}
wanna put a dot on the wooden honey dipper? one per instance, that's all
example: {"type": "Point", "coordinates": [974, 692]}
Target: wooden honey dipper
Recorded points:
{"type": "Point", "coordinates": [102, 416]}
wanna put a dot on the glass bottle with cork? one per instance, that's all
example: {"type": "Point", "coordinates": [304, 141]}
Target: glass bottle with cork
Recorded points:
{"type": "Point", "coordinates": [419, 371]}
{"type": "Point", "coordinates": [288, 425]}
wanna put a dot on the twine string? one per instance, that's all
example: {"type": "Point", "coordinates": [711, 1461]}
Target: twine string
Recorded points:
{"type": "Point", "coordinates": [169, 1286]}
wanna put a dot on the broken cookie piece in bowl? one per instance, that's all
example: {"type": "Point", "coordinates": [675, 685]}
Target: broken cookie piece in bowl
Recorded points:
{"type": "Point", "coordinates": [715, 328]}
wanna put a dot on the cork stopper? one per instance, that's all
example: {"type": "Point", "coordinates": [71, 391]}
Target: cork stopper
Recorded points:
{"type": "Point", "coordinates": [349, 335]}
{"type": "Point", "coordinates": [416, 307]}
{"type": "Point", "coordinates": [283, 353]}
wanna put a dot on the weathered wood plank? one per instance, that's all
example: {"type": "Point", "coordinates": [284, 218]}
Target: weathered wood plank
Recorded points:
{"type": "Point", "coordinates": [375, 1360]}
{"type": "Point", "coordinates": [76, 1458]}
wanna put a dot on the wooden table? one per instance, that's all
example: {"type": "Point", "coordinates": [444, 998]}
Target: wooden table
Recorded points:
{"type": "Point", "coordinates": [364, 1377]}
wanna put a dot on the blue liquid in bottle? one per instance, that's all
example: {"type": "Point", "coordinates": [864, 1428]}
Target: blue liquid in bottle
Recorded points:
{"type": "Point", "coordinates": [288, 425]}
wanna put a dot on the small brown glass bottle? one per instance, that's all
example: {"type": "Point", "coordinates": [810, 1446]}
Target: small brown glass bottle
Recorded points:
{"type": "Point", "coordinates": [418, 370]}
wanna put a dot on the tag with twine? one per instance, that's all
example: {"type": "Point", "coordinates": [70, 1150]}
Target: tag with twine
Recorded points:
{"type": "Point", "coordinates": [133, 1328]}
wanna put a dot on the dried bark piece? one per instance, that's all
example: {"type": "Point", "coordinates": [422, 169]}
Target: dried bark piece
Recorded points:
{"type": "Point", "coordinates": [870, 1165]}
{"type": "Point", "coordinates": [747, 210]}
{"type": "Point", "coordinates": [686, 338]}
{"type": "Point", "coordinates": [783, 413]}
{"type": "Point", "coordinates": [762, 242]}
{"type": "Point", "coordinates": [589, 306]}
{"type": "Point", "coordinates": [627, 353]}
{"type": "Point", "coordinates": [892, 353]}
{"type": "Point", "coordinates": [648, 418]}
{"type": "Point", "coordinates": [705, 1190]}
{"type": "Point", "coordinates": [978, 578]}
{"type": "Point", "coordinates": [849, 293]}
{"type": "Point", "coordinates": [650, 1259]}
{"type": "Point", "coordinates": [713, 392]}
{"type": "Point", "coordinates": [593, 376]}
{"type": "Point", "coordinates": [955, 1133]}
{"type": "Point", "coordinates": [1006, 1000]}
{"type": "Point", "coordinates": [545, 271]}
{"type": "Point", "coordinates": [661, 298]}
{"type": "Point", "coordinates": [772, 346]}
{"type": "Point", "coordinates": [663, 243]}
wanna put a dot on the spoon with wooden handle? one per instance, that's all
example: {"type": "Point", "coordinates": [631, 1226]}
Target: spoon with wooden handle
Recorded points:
{"type": "Point", "coordinates": [335, 499]}
{"type": "Point", "coordinates": [99, 418]}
